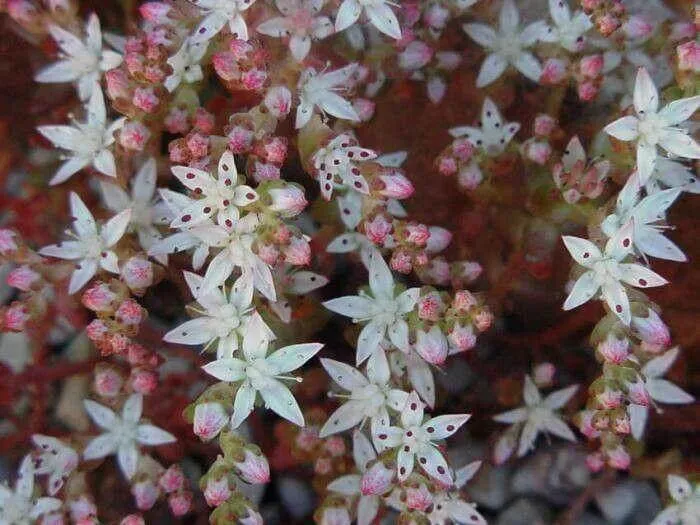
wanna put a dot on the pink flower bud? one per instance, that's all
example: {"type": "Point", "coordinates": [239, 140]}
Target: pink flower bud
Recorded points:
{"type": "Point", "coordinates": [99, 298]}
{"type": "Point", "coordinates": [432, 345]}
{"type": "Point", "coordinates": [254, 468]}
{"type": "Point", "coordinates": [436, 16]}
{"type": "Point", "coordinates": [438, 240]}
{"type": "Point", "coordinates": [268, 253]}
{"type": "Point", "coordinates": [464, 300]}
{"type": "Point", "coordinates": [132, 519]}
{"type": "Point", "coordinates": [137, 273]}
{"type": "Point", "coordinates": [204, 121]}
{"type": "Point", "coordinates": [416, 55]}
{"type": "Point", "coordinates": [143, 381]}
{"type": "Point", "coordinates": [108, 382]}
{"type": "Point", "coordinates": [364, 108]}
{"type": "Point", "coordinates": [180, 503]}
{"type": "Point", "coordinates": [240, 139]}
{"type": "Point", "coordinates": [417, 234]}
{"type": "Point", "coordinates": [470, 176]}
{"type": "Point", "coordinates": [401, 262]}
{"type": "Point", "coordinates": [134, 135]}
{"type": "Point", "coordinates": [198, 144]}
{"type": "Point", "coordinates": [595, 462]}
{"type": "Point", "coordinates": [335, 445]}
{"type": "Point", "coordinates": [637, 393]}
{"type": "Point", "coordinates": [607, 24]}
{"type": "Point", "coordinates": [554, 71]}
{"type": "Point", "coordinates": [586, 424]}
{"type": "Point", "coordinates": [622, 425]}
{"type": "Point", "coordinates": [297, 252]}
{"type": "Point", "coordinates": [7, 242]}
{"type": "Point", "coordinates": [681, 31]}
{"type": "Point", "coordinates": [16, 317]}
{"type": "Point", "coordinates": [117, 84]}
{"type": "Point", "coordinates": [265, 171]}
{"type": "Point", "coordinates": [289, 201]}
{"type": "Point", "coordinates": [539, 152]}
{"type": "Point", "coordinates": [129, 313]}
{"type": "Point", "coordinates": [240, 48]}
{"type": "Point", "coordinates": [461, 338]}
{"type": "Point", "coordinates": [447, 166]}
{"type": "Point", "coordinates": [689, 56]}
{"type": "Point", "coordinates": [156, 12]}
{"type": "Point", "coordinates": [543, 374]}
{"type": "Point", "coordinates": [469, 271]}
{"type": "Point", "coordinates": [587, 91]}
{"type": "Point", "coordinates": [22, 278]}
{"type": "Point", "coordinates": [463, 149]}
{"type": "Point", "coordinates": [619, 458]}
{"type": "Point", "coordinates": [177, 121]}
{"type": "Point", "coordinates": [322, 466]}
{"type": "Point", "coordinates": [637, 27]}
{"type": "Point", "coordinates": [96, 330]}
{"type": "Point", "coordinates": [591, 65]}
{"type": "Point", "coordinates": [275, 150]}
{"type": "Point", "coordinates": [282, 234]}
{"type": "Point", "coordinates": [137, 355]}
{"type": "Point", "coordinates": [172, 479]}
{"type": "Point", "coordinates": [544, 125]}
{"type": "Point", "coordinates": [209, 420]}
{"type": "Point", "coordinates": [378, 229]}
{"type": "Point", "coordinates": [651, 329]}
{"type": "Point", "coordinates": [377, 479]}
{"type": "Point", "coordinates": [418, 498]}
{"type": "Point", "coordinates": [608, 399]}
{"type": "Point", "coordinates": [396, 186]}
{"type": "Point", "coordinates": [226, 65]}
{"type": "Point", "coordinates": [217, 491]}
{"type": "Point", "coordinates": [278, 101]}
{"type": "Point", "coordinates": [483, 320]}
{"type": "Point", "coordinates": [254, 79]}
{"type": "Point", "coordinates": [614, 350]}
{"type": "Point", "coordinates": [118, 343]}
{"type": "Point", "coordinates": [430, 306]}
{"type": "Point", "coordinates": [145, 493]}
{"type": "Point", "coordinates": [145, 99]}
{"type": "Point", "coordinates": [439, 271]}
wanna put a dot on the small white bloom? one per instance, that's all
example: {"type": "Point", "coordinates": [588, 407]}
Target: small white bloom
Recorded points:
{"type": "Point", "coordinates": [123, 433]}
{"type": "Point", "coordinates": [653, 127]}
{"type": "Point", "coordinates": [185, 64]}
{"type": "Point", "coordinates": [568, 30]}
{"type": "Point", "coordinates": [300, 24]}
{"type": "Point", "coordinates": [539, 415]}
{"type": "Point", "coordinates": [414, 439]}
{"type": "Point", "coordinates": [18, 507]}
{"type": "Point", "coordinates": [91, 246]}
{"type": "Point", "coordinates": [318, 90]}
{"type": "Point", "coordinates": [217, 15]}
{"type": "Point", "coordinates": [493, 135]}
{"type": "Point", "coordinates": [378, 11]}
{"type": "Point", "coordinates": [606, 272]}
{"type": "Point", "coordinates": [337, 166]}
{"type": "Point", "coordinates": [384, 310]}
{"type": "Point", "coordinates": [508, 46]}
{"type": "Point", "coordinates": [686, 509]}
{"type": "Point", "coordinates": [80, 62]}
{"type": "Point", "coordinates": [56, 459]}
{"type": "Point", "coordinates": [88, 142]}
{"type": "Point", "coordinates": [258, 372]}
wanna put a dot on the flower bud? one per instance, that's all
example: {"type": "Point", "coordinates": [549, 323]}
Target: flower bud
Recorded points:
{"type": "Point", "coordinates": [132, 519]}
{"type": "Point", "coordinates": [396, 186]}
{"type": "Point", "coordinates": [447, 166]}
{"type": "Point", "coordinates": [99, 298]}
{"type": "Point", "coordinates": [7, 242]}
{"type": "Point", "coordinates": [469, 271]}
{"type": "Point", "coordinates": [180, 503]}
{"type": "Point", "coordinates": [544, 125]}
{"type": "Point", "coordinates": [651, 329]}
{"type": "Point", "coordinates": [323, 466]}
{"type": "Point", "coordinates": [607, 24]}
{"type": "Point", "coordinates": [609, 399]}
{"type": "Point", "coordinates": [82, 508]}
{"type": "Point", "coordinates": [439, 271]}
{"type": "Point", "coordinates": [463, 301]}
{"type": "Point", "coordinates": [378, 229]}
{"type": "Point", "coordinates": [254, 468]}
{"type": "Point", "coordinates": [543, 374]}
{"type": "Point", "coordinates": [143, 381]}
{"type": "Point", "coordinates": [587, 91]}
{"type": "Point", "coordinates": [681, 31]}
{"type": "Point", "coordinates": [134, 135]}
{"type": "Point", "coordinates": [172, 479]}
{"type": "Point", "coordinates": [591, 65]}
{"type": "Point", "coordinates": [614, 350]}
{"type": "Point", "coordinates": [297, 252]}
{"type": "Point", "coordinates": [203, 121]}
{"type": "Point", "coordinates": [585, 424]}
{"type": "Point", "coordinates": [145, 99]}
{"type": "Point", "coordinates": [335, 445]}
{"type": "Point", "coordinates": [538, 152]}
{"type": "Point", "coordinates": [418, 498]}
{"type": "Point", "coordinates": [16, 317]}
{"type": "Point", "coordinates": [377, 479]}
{"type": "Point", "coordinates": [145, 493]}
{"type": "Point", "coordinates": [254, 79]}
{"type": "Point", "coordinates": [177, 121]}
{"type": "Point", "coordinates": [689, 56]}
{"type": "Point", "coordinates": [289, 200]}
{"type": "Point", "coordinates": [198, 144]}
{"type": "Point", "coordinates": [209, 420]}
{"type": "Point", "coordinates": [226, 65]}
{"type": "Point", "coordinates": [96, 329]}
{"type": "Point", "coordinates": [461, 338]}
{"type": "Point", "coordinates": [595, 462]}
{"type": "Point", "coordinates": [23, 278]}
{"type": "Point", "coordinates": [637, 393]}
{"type": "Point", "coordinates": [470, 176]}
{"type": "Point", "coordinates": [463, 149]}
{"type": "Point", "coordinates": [240, 139]}
{"type": "Point", "coordinates": [432, 345]}
{"type": "Point", "coordinates": [438, 240]}
{"type": "Point", "coordinates": [108, 382]}
{"type": "Point", "coordinates": [483, 320]}
{"type": "Point", "coordinates": [621, 424]}
{"type": "Point", "coordinates": [430, 306]}
{"type": "Point", "coordinates": [274, 149]}
{"type": "Point", "coordinates": [268, 253]}
{"type": "Point", "coordinates": [554, 71]}
{"type": "Point", "coordinates": [401, 262]}
{"type": "Point", "coordinates": [278, 101]}
{"type": "Point", "coordinates": [137, 273]}
{"type": "Point", "coordinates": [637, 27]}
{"type": "Point", "coordinates": [619, 458]}
{"type": "Point", "coordinates": [129, 313]}
{"type": "Point", "coordinates": [417, 234]}
{"type": "Point", "coordinates": [217, 491]}
{"type": "Point", "coordinates": [364, 108]}
{"type": "Point", "coordinates": [416, 55]}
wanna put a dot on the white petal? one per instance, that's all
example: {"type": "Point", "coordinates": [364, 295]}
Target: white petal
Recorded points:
{"type": "Point", "coordinates": [398, 334]}
{"type": "Point", "coordinates": [345, 375]}
{"type": "Point", "coordinates": [625, 128]}
{"type": "Point", "coordinates": [493, 67]}
{"type": "Point", "coordinates": [583, 251]}
{"type": "Point", "coordinates": [556, 426]}
{"type": "Point", "coordinates": [348, 13]}
{"type": "Point", "coordinates": [679, 488]}
{"type": "Point", "coordinates": [529, 66]}
{"type": "Point", "coordinates": [346, 416]}
{"type": "Point", "coordinates": [66, 137]}
{"type": "Point", "coordinates": [133, 408]}
{"type": "Point", "coordinates": [646, 160]}
{"type": "Point", "coordinates": [63, 71]}
{"type": "Point", "coordinates": [144, 184]}
{"type": "Point", "coordinates": [615, 296]}
{"type": "Point", "coordinates": [421, 378]}
{"type": "Point", "coordinates": [444, 426]}
{"type": "Point", "coordinates": [660, 365]}
{"type": "Point", "coordinates": [384, 19]}
{"type": "Point", "coordinates": [83, 221]}
{"type": "Point", "coordinates": [85, 270]}
{"type": "Point", "coordinates": [584, 289]}
{"type": "Point", "coordinates": [193, 332]}
{"type": "Point", "coordinates": [559, 9]}
{"type": "Point", "coordinates": [508, 17]}
{"type": "Point", "coordinates": [348, 485]}
{"type": "Point", "coordinates": [228, 369]}
{"type": "Point", "coordinates": [512, 416]}
{"type": "Point", "coordinates": [527, 438]}
{"type": "Point", "coordinates": [280, 400]}
{"type": "Point", "coordinates": [292, 357]}
{"type": "Point", "coordinates": [70, 250]}
{"type": "Point", "coordinates": [404, 463]}
{"type": "Point", "coordinates": [69, 168]}
{"type": "Point", "coordinates": [561, 397]}
{"type": "Point", "coordinates": [638, 420]}
{"type": "Point", "coordinates": [467, 472]}
{"type": "Point", "coordinates": [646, 97]}
{"type": "Point", "coordinates": [128, 459]}
{"type": "Point", "coordinates": [680, 110]}
{"type": "Point", "coordinates": [531, 394]}
{"type": "Point", "coordinates": [362, 450]}
{"type": "Point", "coordinates": [301, 283]}
{"type": "Point", "coordinates": [243, 404]}
{"type": "Point", "coordinates": [664, 391]}
{"type": "Point", "coordinates": [481, 34]}
{"type": "Point", "coordinates": [367, 509]}
{"type": "Point", "coordinates": [104, 163]}
{"type": "Point", "coordinates": [369, 339]}
{"type": "Point", "coordinates": [434, 464]}
{"type": "Point", "coordinates": [680, 143]}
{"type": "Point", "coordinates": [640, 276]}
{"type": "Point", "coordinates": [412, 414]}
{"type": "Point", "coordinates": [114, 228]}
{"type": "Point", "coordinates": [152, 435]}
{"type": "Point", "coordinates": [101, 446]}
{"type": "Point", "coordinates": [338, 107]}
{"type": "Point", "coordinates": [300, 46]}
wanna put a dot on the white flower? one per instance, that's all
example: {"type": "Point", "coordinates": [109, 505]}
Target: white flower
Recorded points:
{"type": "Point", "coordinates": [369, 396]}
{"type": "Point", "coordinates": [81, 62]}
{"type": "Point", "coordinates": [18, 507]}
{"type": "Point", "coordinates": [493, 135]}
{"type": "Point", "coordinates": [185, 64]}
{"type": "Point", "coordinates": [318, 90]}
{"type": "Point", "coordinates": [219, 13]}
{"type": "Point", "coordinates": [88, 142]}
{"type": "Point", "coordinates": [56, 459]}
{"type": "Point", "coordinates": [145, 214]}
{"type": "Point", "coordinates": [259, 372]}
{"type": "Point", "coordinates": [508, 46]}
{"type": "Point", "coordinates": [659, 389]}
{"type": "Point", "coordinates": [350, 485]}
{"type": "Point", "coordinates": [91, 246]}
{"type": "Point", "coordinates": [538, 415]}
{"type": "Point", "coordinates": [652, 128]}
{"type": "Point", "coordinates": [122, 434]}
{"type": "Point", "coordinates": [384, 310]}
{"type": "Point", "coordinates": [606, 272]}
{"type": "Point", "coordinates": [568, 31]}
{"type": "Point", "coordinates": [221, 196]}
{"type": "Point", "coordinates": [686, 510]}
{"type": "Point", "coordinates": [223, 319]}
{"type": "Point", "coordinates": [415, 440]}
{"type": "Point", "coordinates": [336, 167]}
{"type": "Point", "coordinates": [300, 24]}
{"type": "Point", "coordinates": [647, 236]}
{"type": "Point", "coordinates": [378, 11]}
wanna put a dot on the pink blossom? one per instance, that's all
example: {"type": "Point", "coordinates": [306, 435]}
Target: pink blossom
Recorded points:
{"type": "Point", "coordinates": [275, 150]}
{"type": "Point", "coordinates": [396, 186]}
{"type": "Point", "coordinates": [587, 91]}
{"type": "Point", "coordinates": [240, 139]}
{"type": "Point", "coordinates": [177, 121]}
{"type": "Point", "coordinates": [436, 16]}
{"type": "Point", "coordinates": [108, 382]}
{"type": "Point", "coordinates": [145, 493]}
{"type": "Point", "coordinates": [278, 101]}
{"type": "Point", "coordinates": [254, 79]}
{"type": "Point", "coordinates": [463, 149]}
{"type": "Point", "coordinates": [156, 12]}
{"type": "Point", "coordinates": [198, 144]}
{"type": "Point", "coordinates": [539, 152]}
{"type": "Point", "coordinates": [591, 65]}
{"type": "Point", "coordinates": [430, 307]}
{"type": "Point", "coordinates": [586, 424]}
{"type": "Point", "coordinates": [23, 11]}
{"type": "Point", "coordinates": [378, 229]}
{"type": "Point", "coordinates": [376, 480]}
{"type": "Point", "coordinates": [544, 125]}
{"type": "Point", "coordinates": [99, 298]}
{"type": "Point", "coordinates": [23, 278]}
{"type": "Point", "coordinates": [282, 234]}
{"type": "Point", "coordinates": [132, 519]}
{"type": "Point", "coordinates": [254, 468]}
{"type": "Point", "coordinates": [134, 135]}
{"type": "Point", "coordinates": [689, 56]}
{"type": "Point", "coordinates": [447, 166]}
{"type": "Point", "coordinates": [614, 350]}
{"type": "Point", "coordinates": [137, 273]}
{"type": "Point", "coordinates": [117, 84]}
{"type": "Point", "coordinates": [96, 329]}
{"type": "Point", "coordinates": [129, 313]}
{"type": "Point", "coordinates": [470, 176]}
{"type": "Point", "coordinates": [217, 491]}
{"type": "Point", "coordinates": [463, 301]}
{"type": "Point", "coordinates": [462, 338]}
{"type": "Point", "coordinates": [209, 420]}
{"type": "Point", "coordinates": [307, 438]}
{"type": "Point", "coordinates": [418, 498]}
{"type": "Point", "coordinates": [554, 71]}
{"type": "Point", "coordinates": [265, 171]}
{"type": "Point", "coordinates": [204, 121]}
{"type": "Point", "coordinates": [439, 239]}
{"type": "Point", "coordinates": [226, 65]}
{"type": "Point", "coordinates": [268, 253]}
{"type": "Point", "coordinates": [608, 398]}
{"type": "Point", "coordinates": [180, 503]}
{"type": "Point", "coordinates": [543, 374]}
{"type": "Point", "coordinates": [401, 262]}
{"type": "Point", "coordinates": [637, 393]}
{"type": "Point", "coordinates": [417, 234]}
{"type": "Point", "coordinates": [651, 329]}
{"type": "Point", "coordinates": [145, 99]}
{"type": "Point", "coordinates": [607, 24]}
{"type": "Point", "coordinates": [143, 381]}
{"type": "Point", "coordinates": [297, 252]}
{"type": "Point", "coordinates": [240, 48]}
{"type": "Point", "coordinates": [432, 345]}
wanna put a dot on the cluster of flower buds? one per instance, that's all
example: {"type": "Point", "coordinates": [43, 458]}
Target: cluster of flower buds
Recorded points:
{"type": "Point", "coordinates": [607, 15]}
{"type": "Point", "coordinates": [575, 177]}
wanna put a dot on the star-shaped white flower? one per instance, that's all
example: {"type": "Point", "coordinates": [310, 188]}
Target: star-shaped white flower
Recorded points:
{"type": "Point", "coordinates": [300, 23]}
{"type": "Point", "coordinates": [223, 319]}
{"type": "Point", "coordinates": [539, 415]}
{"type": "Point", "coordinates": [414, 439]}
{"type": "Point", "coordinates": [568, 30]}
{"type": "Point", "coordinates": [18, 507]}
{"type": "Point", "coordinates": [378, 12]}
{"type": "Point", "coordinates": [146, 214]}
{"type": "Point", "coordinates": [258, 372]}
{"type": "Point", "coordinates": [91, 245]}
{"type": "Point", "coordinates": [350, 484]}
{"type": "Point", "coordinates": [369, 397]}
{"type": "Point", "coordinates": [606, 272]}
{"type": "Point", "coordinates": [123, 433]}
{"type": "Point", "coordinates": [652, 127]}
{"type": "Point", "coordinates": [508, 46]}
{"type": "Point", "coordinates": [493, 135]}
{"type": "Point", "coordinates": [80, 62]}
{"type": "Point", "coordinates": [88, 142]}
{"type": "Point", "coordinates": [217, 15]}
{"type": "Point", "coordinates": [646, 214]}
{"type": "Point", "coordinates": [384, 310]}
{"type": "Point", "coordinates": [686, 509]}
{"type": "Point", "coordinates": [221, 196]}
{"type": "Point", "coordinates": [336, 165]}
{"type": "Point", "coordinates": [659, 389]}
{"type": "Point", "coordinates": [318, 90]}
{"type": "Point", "coordinates": [56, 459]}
{"type": "Point", "coordinates": [185, 64]}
